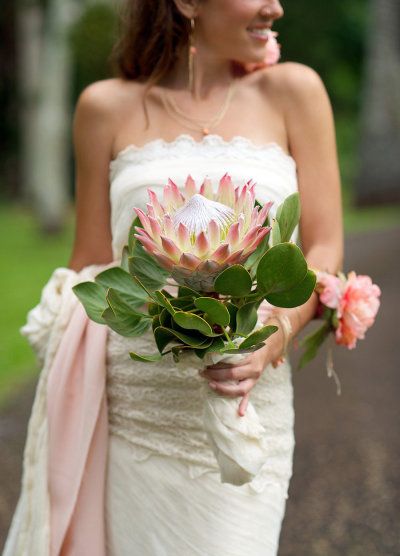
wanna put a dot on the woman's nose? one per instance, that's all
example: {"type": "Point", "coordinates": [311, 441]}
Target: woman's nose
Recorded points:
{"type": "Point", "coordinates": [272, 9]}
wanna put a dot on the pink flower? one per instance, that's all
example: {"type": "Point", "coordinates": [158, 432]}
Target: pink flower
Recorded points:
{"type": "Point", "coordinates": [272, 54]}
{"type": "Point", "coordinates": [357, 309]}
{"type": "Point", "coordinates": [330, 288]}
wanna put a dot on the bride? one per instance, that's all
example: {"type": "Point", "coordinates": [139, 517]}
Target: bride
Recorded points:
{"type": "Point", "coordinates": [186, 101]}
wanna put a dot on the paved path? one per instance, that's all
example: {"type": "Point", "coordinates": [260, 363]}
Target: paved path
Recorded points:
{"type": "Point", "coordinates": [344, 498]}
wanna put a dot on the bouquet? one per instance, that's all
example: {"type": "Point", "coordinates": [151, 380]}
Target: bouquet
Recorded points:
{"type": "Point", "coordinates": [196, 268]}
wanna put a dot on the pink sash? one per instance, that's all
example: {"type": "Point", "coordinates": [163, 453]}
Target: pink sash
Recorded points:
{"type": "Point", "coordinates": [78, 437]}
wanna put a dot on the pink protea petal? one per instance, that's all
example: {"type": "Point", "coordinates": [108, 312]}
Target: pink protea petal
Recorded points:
{"type": "Point", "coordinates": [249, 238]}
{"type": "Point", "coordinates": [262, 215]}
{"type": "Point", "coordinates": [235, 258]}
{"type": "Point", "coordinates": [254, 217]}
{"type": "Point", "coordinates": [150, 210]}
{"type": "Point", "coordinates": [221, 254]}
{"type": "Point", "coordinates": [209, 267]}
{"type": "Point", "coordinates": [158, 208]}
{"type": "Point", "coordinates": [177, 198]}
{"type": "Point", "coordinates": [168, 226]}
{"type": "Point", "coordinates": [155, 229]}
{"type": "Point", "coordinates": [247, 210]}
{"type": "Point", "coordinates": [164, 261]}
{"type": "Point", "coordinates": [201, 245]}
{"type": "Point", "coordinates": [255, 243]}
{"type": "Point", "coordinates": [183, 237]}
{"type": "Point", "coordinates": [236, 195]}
{"type": "Point", "coordinates": [241, 200]}
{"type": "Point", "coordinates": [170, 248]}
{"type": "Point", "coordinates": [226, 192]}
{"type": "Point", "coordinates": [190, 187]}
{"type": "Point", "coordinates": [190, 261]}
{"type": "Point", "coordinates": [206, 189]}
{"type": "Point", "coordinates": [233, 236]}
{"type": "Point", "coordinates": [144, 220]}
{"type": "Point", "coordinates": [147, 243]}
{"type": "Point", "coordinates": [214, 234]}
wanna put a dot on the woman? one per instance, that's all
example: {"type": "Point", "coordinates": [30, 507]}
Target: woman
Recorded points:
{"type": "Point", "coordinates": [184, 103]}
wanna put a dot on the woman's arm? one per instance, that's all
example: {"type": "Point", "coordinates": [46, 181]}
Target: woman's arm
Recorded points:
{"type": "Point", "coordinates": [93, 137]}
{"type": "Point", "coordinates": [311, 137]}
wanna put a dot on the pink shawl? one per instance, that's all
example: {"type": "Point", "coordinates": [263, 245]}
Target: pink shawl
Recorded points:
{"type": "Point", "coordinates": [78, 435]}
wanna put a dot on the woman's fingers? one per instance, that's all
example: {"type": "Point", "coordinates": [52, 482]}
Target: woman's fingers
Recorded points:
{"type": "Point", "coordinates": [243, 404]}
{"type": "Point", "coordinates": [233, 390]}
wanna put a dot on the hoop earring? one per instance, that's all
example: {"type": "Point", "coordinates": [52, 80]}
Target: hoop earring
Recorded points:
{"type": "Point", "coordinates": [191, 54]}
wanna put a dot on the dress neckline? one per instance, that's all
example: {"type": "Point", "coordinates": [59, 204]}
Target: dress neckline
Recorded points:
{"type": "Point", "coordinates": [208, 140]}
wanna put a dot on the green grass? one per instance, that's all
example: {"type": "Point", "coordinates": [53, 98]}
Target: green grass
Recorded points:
{"type": "Point", "coordinates": [28, 259]}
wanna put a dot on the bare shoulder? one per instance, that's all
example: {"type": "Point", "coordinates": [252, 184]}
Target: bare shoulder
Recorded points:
{"type": "Point", "coordinates": [294, 83]}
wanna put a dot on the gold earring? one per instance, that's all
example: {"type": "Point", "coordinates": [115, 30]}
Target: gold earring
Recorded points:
{"type": "Point", "coordinates": [191, 54]}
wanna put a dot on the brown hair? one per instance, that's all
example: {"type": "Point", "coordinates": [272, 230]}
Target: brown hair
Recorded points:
{"type": "Point", "coordinates": [151, 35]}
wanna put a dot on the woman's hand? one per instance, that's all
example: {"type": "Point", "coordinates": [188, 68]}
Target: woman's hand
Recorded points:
{"type": "Point", "coordinates": [247, 373]}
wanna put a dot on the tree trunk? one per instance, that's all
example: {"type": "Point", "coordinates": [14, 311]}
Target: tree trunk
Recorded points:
{"type": "Point", "coordinates": [46, 81]}
{"type": "Point", "coordinates": [378, 180]}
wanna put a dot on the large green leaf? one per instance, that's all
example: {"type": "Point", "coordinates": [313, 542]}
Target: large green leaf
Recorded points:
{"type": "Point", "coordinates": [93, 298]}
{"type": "Point", "coordinates": [312, 342]}
{"type": "Point", "coordinates": [215, 346]}
{"type": "Point", "coordinates": [125, 324]}
{"type": "Point", "coordinates": [189, 321]}
{"type": "Point", "coordinates": [297, 295]}
{"type": "Point", "coordinates": [149, 273]}
{"type": "Point", "coordinates": [252, 262]}
{"type": "Point", "coordinates": [122, 281]}
{"type": "Point", "coordinates": [132, 241]}
{"type": "Point", "coordinates": [258, 336]}
{"type": "Point", "coordinates": [120, 306]}
{"type": "Point", "coordinates": [275, 233]}
{"type": "Point", "coordinates": [162, 300]}
{"type": "Point", "coordinates": [281, 268]}
{"type": "Point", "coordinates": [246, 318]}
{"type": "Point", "coordinates": [239, 351]}
{"type": "Point", "coordinates": [288, 216]}
{"type": "Point", "coordinates": [184, 291]}
{"type": "Point", "coordinates": [216, 311]}
{"type": "Point", "coordinates": [234, 280]}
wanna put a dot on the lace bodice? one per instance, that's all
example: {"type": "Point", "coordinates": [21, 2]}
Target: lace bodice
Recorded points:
{"type": "Point", "coordinates": [158, 408]}
{"type": "Point", "coordinates": [135, 169]}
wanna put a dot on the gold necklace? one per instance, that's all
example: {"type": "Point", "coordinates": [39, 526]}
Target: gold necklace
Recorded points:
{"type": "Point", "coordinates": [196, 124]}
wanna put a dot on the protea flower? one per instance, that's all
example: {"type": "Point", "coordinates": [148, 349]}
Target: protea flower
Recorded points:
{"type": "Point", "coordinates": [197, 234]}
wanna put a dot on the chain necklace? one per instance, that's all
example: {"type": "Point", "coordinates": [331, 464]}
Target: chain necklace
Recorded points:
{"type": "Point", "coordinates": [196, 124]}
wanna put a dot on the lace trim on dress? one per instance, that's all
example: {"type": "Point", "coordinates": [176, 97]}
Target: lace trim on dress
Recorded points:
{"type": "Point", "coordinates": [212, 146]}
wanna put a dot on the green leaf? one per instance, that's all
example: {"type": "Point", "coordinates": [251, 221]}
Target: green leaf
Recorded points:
{"type": "Point", "coordinates": [156, 322]}
{"type": "Point", "coordinates": [215, 346]}
{"type": "Point", "coordinates": [258, 336]}
{"type": "Point", "coordinates": [121, 307]}
{"type": "Point", "coordinates": [120, 280]}
{"type": "Point", "coordinates": [275, 233]}
{"type": "Point", "coordinates": [234, 280]}
{"type": "Point", "coordinates": [281, 268]}
{"type": "Point", "coordinates": [246, 318]}
{"type": "Point", "coordinates": [163, 336]}
{"type": "Point", "coordinates": [165, 318]}
{"type": "Point", "coordinates": [93, 298]}
{"type": "Point", "coordinates": [148, 272]}
{"type": "Point", "coordinates": [162, 300]}
{"type": "Point", "coordinates": [125, 324]}
{"type": "Point", "coordinates": [215, 310]}
{"type": "Point", "coordinates": [247, 350]}
{"type": "Point", "coordinates": [288, 216]}
{"type": "Point", "coordinates": [184, 291]}
{"type": "Point", "coordinates": [189, 321]}
{"type": "Point", "coordinates": [297, 295]}
{"type": "Point", "coordinates": [124, 259]}
{"type": "Point", "coordinates": [312, 342]}
{"type": "Point", "coordinates": [145, 358]}
{"type": "Point", "coordinates": [132, 241]}
{"type": "Point", "coordinates": [232, 313]}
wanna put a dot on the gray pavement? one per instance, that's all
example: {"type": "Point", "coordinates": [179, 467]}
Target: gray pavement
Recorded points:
{"type": "Point", "coordinates": [344, 497]}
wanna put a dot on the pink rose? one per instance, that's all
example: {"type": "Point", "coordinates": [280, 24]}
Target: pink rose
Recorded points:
{"type": "Point", "coordinates": [357, 309]}
{"type": "Point", "coordinates": [272, 54]}
{"type": "Point", "coordinates": [330, 288]}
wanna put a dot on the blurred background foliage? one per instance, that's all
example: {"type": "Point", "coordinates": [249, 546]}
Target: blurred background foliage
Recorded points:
{"type": "Point", "coordinates": [328, 36]}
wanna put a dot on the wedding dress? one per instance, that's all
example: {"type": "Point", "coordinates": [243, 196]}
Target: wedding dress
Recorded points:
{"type": "Point", "coordinates": [164, 496]}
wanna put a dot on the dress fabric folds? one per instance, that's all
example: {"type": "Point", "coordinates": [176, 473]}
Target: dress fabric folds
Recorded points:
{"type": "Point", "coordinates": [163, 494]}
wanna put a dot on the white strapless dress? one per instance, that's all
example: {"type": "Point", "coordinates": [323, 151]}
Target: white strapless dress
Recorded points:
{"type": "Point", "coordinates": [164, 496]}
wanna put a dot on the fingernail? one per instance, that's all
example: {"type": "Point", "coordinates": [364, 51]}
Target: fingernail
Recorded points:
{"type": "Point", "coordinates": [212, 385]}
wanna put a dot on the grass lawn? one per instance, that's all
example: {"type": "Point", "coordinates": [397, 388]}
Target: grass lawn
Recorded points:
{"type": "Point", "coordinates": [30, 257]}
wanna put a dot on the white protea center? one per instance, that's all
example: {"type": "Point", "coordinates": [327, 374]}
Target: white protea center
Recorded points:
{"type": "Point", "coordinates": [197, 213]}
{"type": "Point", "coordinates": [197, 234]}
